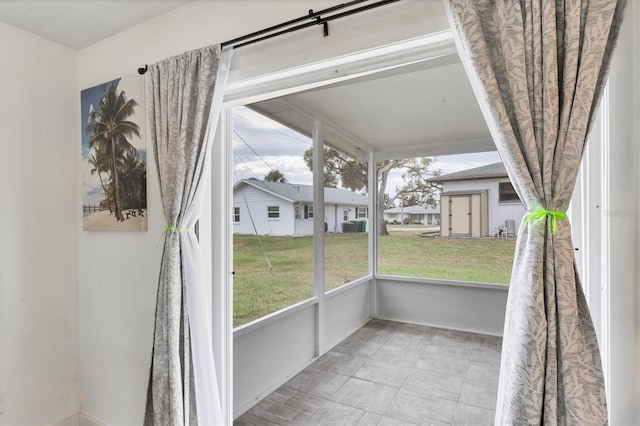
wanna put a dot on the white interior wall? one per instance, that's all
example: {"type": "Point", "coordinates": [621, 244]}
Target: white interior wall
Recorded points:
{"type": "Point", "coordinates": [116, 309]}
{"type": "Point", "coordinates": [478, 308]}
{"type": "Point", "coordinates": [346, 310]}
{"type": "Point", "coordinates": [267, 356]}
{"type": "Point", "coordinates": [39, 225]}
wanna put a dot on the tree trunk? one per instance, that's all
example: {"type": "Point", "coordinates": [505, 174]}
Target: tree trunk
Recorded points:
{"type": "Point", "coordinates": [116, 183]}
{"type": "Point", "coordinates": [130, 190]}
{"type": "Point", "coordinates": [104, 189]}
{"type": "Point", "coordinates": [384, 175]}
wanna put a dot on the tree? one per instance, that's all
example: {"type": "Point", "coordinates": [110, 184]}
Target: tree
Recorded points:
{"type": "Point", "coordinates": [133, 169]}
{"type": "Point", "coordinates": [417, 189]}
{"type": "Point", "coordinates": [340, 169]}
{"type": "Point", "coordinates": [111, 129]}
{"type": "Point", "coordinates": [353, 174]}
{"type": "Point", "coordinates": [275, 175]}
{"type": "Point", "coordinates": [99, 164]}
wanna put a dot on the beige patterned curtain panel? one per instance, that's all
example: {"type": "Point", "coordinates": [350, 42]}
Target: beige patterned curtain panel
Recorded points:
{"type": "Point", "coordinates": [184, 99]}
{"type": "Point", "coordinates": [538, 68]}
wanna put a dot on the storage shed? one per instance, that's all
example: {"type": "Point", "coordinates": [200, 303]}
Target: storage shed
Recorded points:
{"type": "Point", "coordinates": [464, 214]}
{"type": "Point", "coordinates": [479, 202]}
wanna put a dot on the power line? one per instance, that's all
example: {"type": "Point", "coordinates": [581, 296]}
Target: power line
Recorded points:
{"type": "Point", "coordinates": [248, 167]}
{"type": "Point", "coordinates": [306, 141]}
{"type": "Point", "coordinates": [253, 150]}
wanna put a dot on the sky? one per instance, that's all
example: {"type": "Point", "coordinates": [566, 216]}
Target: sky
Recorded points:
{"type": "Point", "coordinates": [261, 144]}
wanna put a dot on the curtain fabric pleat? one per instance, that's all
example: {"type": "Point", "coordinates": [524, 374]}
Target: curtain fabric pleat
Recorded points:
{"type": "Point", "coordinates": [538, 68]}
{"type": "Point", "coordinates": [184, 98]}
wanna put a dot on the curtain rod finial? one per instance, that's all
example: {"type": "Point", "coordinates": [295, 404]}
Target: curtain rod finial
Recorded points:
{"type": "Point", "coordinates": [141, 71]}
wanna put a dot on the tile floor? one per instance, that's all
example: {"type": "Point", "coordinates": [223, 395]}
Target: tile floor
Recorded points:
{"type": "Point", "coordinates": [391, 374]}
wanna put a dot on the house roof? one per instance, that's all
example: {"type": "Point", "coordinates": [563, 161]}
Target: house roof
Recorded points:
{"type": "Point", "coordinates": [414, 209]}
{"type": "Point", "coordinates": [294, 192]}
{"type": "Point", "coordinates": [495, 170]}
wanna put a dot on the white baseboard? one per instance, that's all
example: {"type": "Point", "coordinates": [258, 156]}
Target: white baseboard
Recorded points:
{"type": "Point", "coordinates": [79, 419]}
{"type": "Point", "coordinates": [85, 420]}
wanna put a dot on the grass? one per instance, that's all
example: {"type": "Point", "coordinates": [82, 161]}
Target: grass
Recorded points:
{"type": "Point", "coordinates": [260, 290]}
{"type": "Point", "coordinates": [478, 260]}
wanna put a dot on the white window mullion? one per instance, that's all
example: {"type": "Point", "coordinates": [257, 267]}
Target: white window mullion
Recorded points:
{"type": "Point", "coordinates": [373, 230]}
{"type": "Point", "coordinates": [318, 234]}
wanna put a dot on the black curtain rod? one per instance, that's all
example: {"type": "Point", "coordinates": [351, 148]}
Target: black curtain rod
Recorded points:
{"type": "Point", "coordinates": [311, 15]}
{"type": "Point", "coordinates": [316, 16]}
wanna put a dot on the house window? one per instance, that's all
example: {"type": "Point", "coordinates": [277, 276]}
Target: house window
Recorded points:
{"type": "Point", "coordinates": [362, 212]}
{"type": "Point", "coordinates": [273, 212]}
{"type": "Point", "coordinates": [308, 212]}
{"type": "Point", "coordinates": [345, 215]}
{"type": "Point", "coordinates": [236, 215]}
{"type": "Point", "coordinates": [507, 193]}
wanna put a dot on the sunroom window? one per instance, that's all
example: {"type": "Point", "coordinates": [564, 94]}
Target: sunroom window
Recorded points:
{"type": "Point", "coordinates": [445, 220]}
{"type": "Point", "coordinates": [273, 247]}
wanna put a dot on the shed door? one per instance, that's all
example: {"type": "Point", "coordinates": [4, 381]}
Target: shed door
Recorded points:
{"type": "Point", "coordinates": [460, 215]}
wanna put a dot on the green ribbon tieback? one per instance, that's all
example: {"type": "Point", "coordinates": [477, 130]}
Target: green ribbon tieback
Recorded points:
{"type": "Point", "coordinates": [174, 229]}
{"type": "Point", "coordinates": [543, 213]}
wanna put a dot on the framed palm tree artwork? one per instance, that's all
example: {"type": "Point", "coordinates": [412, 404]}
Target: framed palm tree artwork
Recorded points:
{"type": "Point", "coordinates": [114, 156]}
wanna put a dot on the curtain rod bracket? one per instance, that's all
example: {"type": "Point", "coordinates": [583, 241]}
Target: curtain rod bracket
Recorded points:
{"type": "Point", "coordinates": [141, 71]}
{"type": "Point", "coordinates": [320, 21]}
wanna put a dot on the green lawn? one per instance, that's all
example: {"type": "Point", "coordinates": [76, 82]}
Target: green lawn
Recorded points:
{"type": "Point", "coordinates": [260, 290]}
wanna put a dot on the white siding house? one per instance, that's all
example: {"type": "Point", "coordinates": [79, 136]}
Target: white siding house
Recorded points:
{"type": "Point", "coordinates": [478, 201]}
{"type": "Point", "coordinates": [275, 208]}
{"type": "Point", "coordinates": [426, 215]}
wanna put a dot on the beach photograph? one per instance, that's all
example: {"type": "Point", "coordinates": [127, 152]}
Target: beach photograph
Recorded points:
{"type": "Point", "coordinates": [114, 156]}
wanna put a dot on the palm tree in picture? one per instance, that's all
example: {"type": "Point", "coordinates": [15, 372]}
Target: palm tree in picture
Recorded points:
{"type": "Point", "coordinates": [99, 164]}
{"type": "Point", "coordinates": [131, 170]}
{"type": "Point", "coordinates": [111, 132]}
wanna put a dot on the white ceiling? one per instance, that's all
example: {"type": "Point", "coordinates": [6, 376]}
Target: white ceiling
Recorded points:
{"type": "Point", "coordinates": [80, 23]}
{"type": "Point", "coordinates": [430, 111]}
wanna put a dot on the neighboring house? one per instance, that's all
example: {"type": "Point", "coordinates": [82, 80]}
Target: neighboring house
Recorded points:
{"type": "Point", "coordinates": [275, 208]}
{"type": "Point", "coordinates": [425, 215]}
{"type": "Point", "coordinates": [476, 202]}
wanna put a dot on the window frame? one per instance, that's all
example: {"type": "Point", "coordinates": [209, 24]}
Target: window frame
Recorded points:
{"type": "Point", "coordinates": [236, 215]}
{"type": "Point", "coordinates": [436, 45]}
{"type": "Point", "coordinates": [271, 212]}
{"type": "Point", "coordinates": [308, 211]}
{"type": "Point", "coordinates": [507, 192]}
